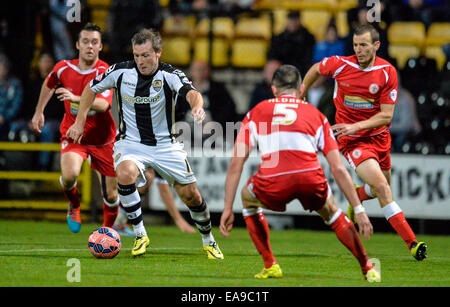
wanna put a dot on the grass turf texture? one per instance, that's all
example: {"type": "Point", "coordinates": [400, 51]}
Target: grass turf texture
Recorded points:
{"type": "Point", "coordinates": [36, 254]}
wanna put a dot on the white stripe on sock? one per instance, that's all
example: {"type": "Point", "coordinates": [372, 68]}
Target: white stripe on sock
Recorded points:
{"type": "Point", "coordinates": [390, 210]}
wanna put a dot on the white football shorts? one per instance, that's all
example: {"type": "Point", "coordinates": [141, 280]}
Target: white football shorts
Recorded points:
{"type": "Point", "coordinates": [169, 160]}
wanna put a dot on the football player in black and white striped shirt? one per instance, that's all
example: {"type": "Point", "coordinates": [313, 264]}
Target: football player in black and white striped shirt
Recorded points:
{"type": "Point", "coordinates": [146, 92]}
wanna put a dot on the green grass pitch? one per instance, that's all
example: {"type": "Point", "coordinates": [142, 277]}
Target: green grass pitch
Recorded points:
{"type": "Point", "coordinates": [37, 254]}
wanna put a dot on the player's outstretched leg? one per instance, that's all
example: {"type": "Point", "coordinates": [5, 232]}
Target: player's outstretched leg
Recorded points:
{"type": "Point", "coordinates": [199, 212]}
{"type": "Point", "coordinates": [347, 234]}
{"type": "Point", "coordinates": [394, 215]}
{"type": "Point", "coordinates": [258, 229]}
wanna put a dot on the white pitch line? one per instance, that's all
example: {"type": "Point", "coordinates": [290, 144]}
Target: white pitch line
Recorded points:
{"type": "Point", "coordinates": [81, 250]}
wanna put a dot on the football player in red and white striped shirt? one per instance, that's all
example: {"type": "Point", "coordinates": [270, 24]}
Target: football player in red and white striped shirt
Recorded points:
{"type": "Point", "coordinates": [289, 133]}
{"type": "Point", "coordinates": [100, 130]}
{"type": "Point", "coordinates": [365, 95]}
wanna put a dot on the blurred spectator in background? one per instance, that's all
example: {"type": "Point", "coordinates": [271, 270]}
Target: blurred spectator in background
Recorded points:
{"type": "Point", "coordinates": [405, 122]}
{"type": "Point", "coordinates": [330, 46]}
{"type": "Point", "coordinates": [294, 45]}
{"type": "Point", "coordinates": [263, 89]}
{"type": "Point", "coordinates": [11, 96]}
{"type": "Point", "coordinates": [53, 113]}
{"type": "Point", "coordinates": [62, 41]}
{"type": "Point", "coordinates": [219, 105]}
{"type": "Point", "coordinates": [126, 18]}
{"type": "Point", "coordinates": [321, 92]}
{"type": "Point", "coordinates": [426, 11]}
{"type": "Point", "coordinates": [236, 7]}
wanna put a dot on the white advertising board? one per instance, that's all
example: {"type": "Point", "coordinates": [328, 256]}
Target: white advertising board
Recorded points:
{"type": "Point", "coordinates": [420, 185]}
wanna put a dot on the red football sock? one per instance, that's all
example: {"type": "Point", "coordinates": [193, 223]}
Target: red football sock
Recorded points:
{"type": "Point", "coordinates": [109, 215]}
{"type": "Point", "coordinates": [362, 195]}
{"type": "Point", "coordinates": [347, 234]}
{"type": "Point", "coordinates": [73, 197]}
{"type": "Point", "coordinates": [401, 226]}
{"type": "Point", "coordinates": [258, 229]}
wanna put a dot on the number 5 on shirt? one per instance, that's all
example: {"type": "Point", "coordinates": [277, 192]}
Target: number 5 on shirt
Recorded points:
{"type": "Point", "coordinates": [284, 114]}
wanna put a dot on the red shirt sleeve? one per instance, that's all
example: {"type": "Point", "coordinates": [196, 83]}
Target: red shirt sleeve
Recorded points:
{"type": "Point", "coordinates": [329, 142]}
{"type": "Point", "coordinates": [107, 95]}
{"type": "Point", "coordinates": [244, 134]}
{"type": "Point", "coordinates": [53, 78]}
{"type": "Point", "coordinates": [328, 66]}
{"type": "Point", "coordinates": [390, 91]}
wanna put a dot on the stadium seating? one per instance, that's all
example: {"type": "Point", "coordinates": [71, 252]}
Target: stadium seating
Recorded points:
{"type": "Point", "coordinates": [279, 20]}
{"type": "Point", "coordinates": [222, 33]}
{"type": "Point", "coordinates": [436, 53]}
{"type": "Point", "coordinates": [250, 43]}
{"type": "Point", "coordinates": [402, 53]}
{"type": "Point", "coordinates": [407, 33]}
{"type": "Point", "coordinates": [99, 3]}
{"type": "Point", "coordinates": [341, 23]}
{"type": "Point", "coordinates": [438, 34]}
{"type": "Point", "coordinates": [177, 40]}
{"type": "Point", "coordinates": [316, 21]}
{"type": "Point", "coordinates": [176, 50]}
{"type": "Point", "coordinates": [99, 16]}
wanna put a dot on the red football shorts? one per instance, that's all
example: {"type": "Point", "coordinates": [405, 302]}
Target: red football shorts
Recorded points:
{"type": "Point", "coordinates": [357, 150]}
{"type": "Point", "coordinates": [101, 156]}
{"type": "Point", "coordinates": [310, 188]}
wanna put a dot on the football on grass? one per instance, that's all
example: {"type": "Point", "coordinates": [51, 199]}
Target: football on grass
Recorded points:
{"type": "Point", "coordinates": [104, 242]}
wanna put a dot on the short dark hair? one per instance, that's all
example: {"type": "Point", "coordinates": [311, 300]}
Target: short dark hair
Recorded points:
{"type": "Point", "coordinates": [374, 34]}
{"type": "Point", "coordinates": [147, 35]}
{"type": "Point", "coordinates": [286, 77]}
{"type": "Point", "coordinates": [91, 27]}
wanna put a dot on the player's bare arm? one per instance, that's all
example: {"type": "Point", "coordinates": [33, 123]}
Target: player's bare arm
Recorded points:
{"type": "Point", "coordinates": [100, 105]}
{"type": "Point", "coordinates": [240, 155]}
{"type": "Point", "coordinates": [195, 100]}
{"type": "Point", "coordinates": [38, 120]}
{"type": "Point", "coordinates": [380, 119]}
{"type": "Point", "coordinates": [345, 183]}
{"type": "Point", "coordinates": [311, 76]}
{"type": "Point", "coordinates": [75, 132]}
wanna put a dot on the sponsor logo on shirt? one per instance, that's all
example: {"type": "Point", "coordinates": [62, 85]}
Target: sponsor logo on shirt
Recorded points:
{"type": "Point", "coordinates": [141, 100]}
{"type": "Point", "coordinates": [358, 102]}
{"type": "Point", "coordinates": [74, 109]}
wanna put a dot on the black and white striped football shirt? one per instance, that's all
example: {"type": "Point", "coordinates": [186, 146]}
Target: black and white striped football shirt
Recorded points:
{"type": "Point", "coordinates": [146, 103]}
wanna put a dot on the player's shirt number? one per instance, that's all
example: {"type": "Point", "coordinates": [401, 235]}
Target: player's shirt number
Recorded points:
{"type": "Point", "coordinates": [284, 114]}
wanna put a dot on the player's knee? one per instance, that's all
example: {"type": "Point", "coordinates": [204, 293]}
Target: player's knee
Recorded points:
{"type": "Point", "coordinates": [126, 175]}
{"type": "Point", "coordinates": [191, 196]}
{"type": "Point", "coordinates": [69, 179]}
{"type": "Point", "coordinates": [382, 189]}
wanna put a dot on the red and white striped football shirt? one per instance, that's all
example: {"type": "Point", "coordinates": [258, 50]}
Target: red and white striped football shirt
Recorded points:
{"type": "Point", "coordinates": [289, 132]}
